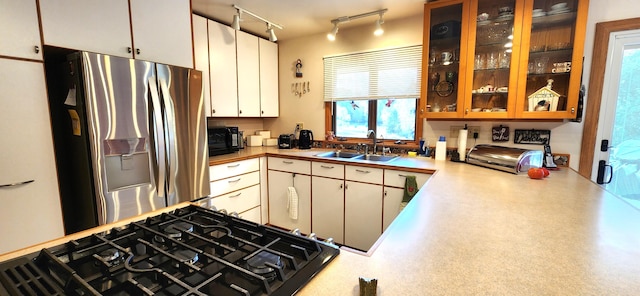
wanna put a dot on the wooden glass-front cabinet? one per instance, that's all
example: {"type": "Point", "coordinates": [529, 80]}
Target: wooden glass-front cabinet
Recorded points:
{"type": "Point", "coordinates": [510, 59]}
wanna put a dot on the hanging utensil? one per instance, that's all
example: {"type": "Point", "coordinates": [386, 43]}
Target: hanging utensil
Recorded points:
{"type": "Point", "coordinates": [304, 88]}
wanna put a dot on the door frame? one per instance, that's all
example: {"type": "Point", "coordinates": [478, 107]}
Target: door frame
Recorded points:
{"type": "Point", "coordinates": [596, 83]}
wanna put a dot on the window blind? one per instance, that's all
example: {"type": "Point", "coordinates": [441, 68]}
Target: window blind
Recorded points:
{"type": "Point", "coordinates": [389, 73]}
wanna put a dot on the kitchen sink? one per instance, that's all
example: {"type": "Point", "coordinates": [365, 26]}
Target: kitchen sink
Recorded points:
{"type": "Point", "coordinates": [375, 157]}
{"type": "Point", "coordinates": [339, 154]}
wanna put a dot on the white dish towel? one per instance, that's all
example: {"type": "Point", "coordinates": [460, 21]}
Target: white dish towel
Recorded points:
{"type": "Point", "coordinates": [292, 204]}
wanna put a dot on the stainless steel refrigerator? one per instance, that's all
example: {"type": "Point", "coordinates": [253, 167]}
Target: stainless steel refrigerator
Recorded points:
{"type": "Point", "coordinates": [129, 136]}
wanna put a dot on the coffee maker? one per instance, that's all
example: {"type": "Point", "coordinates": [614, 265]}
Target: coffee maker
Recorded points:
{"type": "Point", "coordinates": [305, 140]}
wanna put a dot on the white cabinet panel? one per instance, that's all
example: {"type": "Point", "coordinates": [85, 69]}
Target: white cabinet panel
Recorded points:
{"type": "Point", "coordinates": [221, 171]}
{"type": "Point", "coordinates": [19, 31]}
{"type": "Point", "coordinates": [363, 214]}
{"type": "Point", "coordinates": [269, 103]}
{"type": "Point", "coordinates": [279, 182]}
{"type": "Point", "coordinates": [252, 215]}
{"type": "Point", "coordinates": [237, 201]}
{"type": "Point", "coordinates": [30, 213]}
{"type": "Point", "coordinates": [391, 205]}
{"type": "Point", "coordinates": [327, 204]}
{"type": "Point", "coordinates": [248, 75]}
{"type": "Point", "coordinates": [97, 26]}
{"type": "Point", "coordinates": [329, 170]}
{"type": "Point", "coordinates": [201, 57]}
{"type": "Point", "coordinates": [290, 165]}
{"type": "Point", "coordinates": [234, 183]}
{"type": "Point", "coordinates": [398, 178]}
{"type": "Point", "coordinates": [223, 70]}
{"type": "Point", "coordinates": [364, 174]}
{"type": "Point", "coordinates": [162, 31]}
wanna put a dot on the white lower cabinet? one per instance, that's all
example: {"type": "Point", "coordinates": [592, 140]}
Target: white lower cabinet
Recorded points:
{"type": "Point", "coordinates": [327, 204]}
{"type": "Point", "coordinates": [391, 205]}
{"type": "Point", "coordinates": [363, 214]}
{"type": "Point", "coordinates": [279, 183]}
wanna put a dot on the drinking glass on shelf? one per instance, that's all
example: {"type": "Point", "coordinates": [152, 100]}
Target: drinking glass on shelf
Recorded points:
{"type": "Point", "coordinates": [492, 60]}
{"type": "Point", "coordinates": [505, 59]}
{"type": "Point", "coordinates": [540, 65]}
{"type": "Point", "coordinates": [479, 61]}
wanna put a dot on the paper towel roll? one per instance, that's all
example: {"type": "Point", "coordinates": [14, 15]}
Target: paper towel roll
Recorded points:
{"type": "Point", "coordinates": [462, 143]}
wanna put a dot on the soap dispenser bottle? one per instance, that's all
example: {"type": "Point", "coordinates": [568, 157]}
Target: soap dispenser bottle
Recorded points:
{"type": "Point", "coordinates": [441, 149]}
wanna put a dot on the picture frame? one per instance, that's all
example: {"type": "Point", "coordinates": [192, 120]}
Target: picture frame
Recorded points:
{"type": "Point", "coordinates": [561, 159]}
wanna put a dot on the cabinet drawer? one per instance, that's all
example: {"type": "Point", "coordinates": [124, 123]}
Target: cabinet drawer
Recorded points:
{"type": "Point", "coordinates": [329, 170]}
{"type": "Point", "coordinates": [396, 178]}
{"type": "Point", "coordinates": [234, 183]}
{"type": "Point", "coordinates": [221, 171]}
{"type": "Point", "coordinates": [252, 215]}
{"type": "Point", "coordinates": [364, 174]}
{"type": "Point", "coordinates": [289, 165]}
{"type": "Point", "coordinates": [238, 201]}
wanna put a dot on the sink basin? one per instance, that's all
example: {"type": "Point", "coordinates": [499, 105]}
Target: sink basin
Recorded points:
{"type": "Point", "coordinates": [338, 154]}
{"type": "Point", "coordinates": [374, 157]}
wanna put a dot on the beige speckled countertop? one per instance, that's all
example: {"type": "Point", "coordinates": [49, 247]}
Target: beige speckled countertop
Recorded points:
{"type": "Point", "coordinates": [472, 230]}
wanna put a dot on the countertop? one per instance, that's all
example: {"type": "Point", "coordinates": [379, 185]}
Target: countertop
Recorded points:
{"type": "Point", "coordinates": [473, 230]}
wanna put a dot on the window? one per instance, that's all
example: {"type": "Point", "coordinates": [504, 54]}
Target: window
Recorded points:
{"type": "Point", "coordinates": [375, 90]}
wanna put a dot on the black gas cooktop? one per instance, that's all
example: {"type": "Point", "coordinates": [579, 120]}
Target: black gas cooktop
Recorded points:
{"type": "Point", "coordinates": [190, 251]}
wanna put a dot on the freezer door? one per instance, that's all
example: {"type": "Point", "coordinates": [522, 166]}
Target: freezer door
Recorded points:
{"type": "Point", "coordinates": [187, 174]}
{"type": "Point", "coordinates": [116, 92]}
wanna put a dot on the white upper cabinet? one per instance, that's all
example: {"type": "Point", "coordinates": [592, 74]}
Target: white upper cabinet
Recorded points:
{"type": "Point", "coordinates": [19, 31]}
{"type": "Point", "coordinates": [248, 75]}
{"type": "Point", "coordinates": [268, 79]}
{"type": "Point", "coordinates": [162, 31]}
{"type": "Point", "coordinates": [223, 70]}
{"type": "Point", "coordinates": [201, 57]}
{"type": "Point", "coordinates": [96, 26]}
{"type": "Point", "coordinates": [161, 28]}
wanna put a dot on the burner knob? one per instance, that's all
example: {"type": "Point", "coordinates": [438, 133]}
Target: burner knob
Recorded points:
{"type": "Point", "coordinates": [329, 241]}
{"type": "Point", "coordinates": [213, 208]}
{"type": "Point", "coordinates": [224, 211]}
{"type": "Point", "coordinates": [296, 231]}
{"type": "Point", "coordinates": [234, 214]}
{"type": "Point", "coordinates": [313, 236]}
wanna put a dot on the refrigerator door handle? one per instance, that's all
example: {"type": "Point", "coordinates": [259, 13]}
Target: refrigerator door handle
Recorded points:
{"type": "Point", "coordinates": [158, 141]}
{"type": "Point", "coordinates": [171, 147]}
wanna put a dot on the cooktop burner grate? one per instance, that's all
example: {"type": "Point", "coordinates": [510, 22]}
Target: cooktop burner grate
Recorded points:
{"type": "Point", "coordinates": [190, 251]}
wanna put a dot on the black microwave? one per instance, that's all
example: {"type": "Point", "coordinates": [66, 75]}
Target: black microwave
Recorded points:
{"type": "Point", "coordinates": [223, 140]}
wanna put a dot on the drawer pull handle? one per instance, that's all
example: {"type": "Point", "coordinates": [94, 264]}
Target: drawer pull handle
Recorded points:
{"type": "Point", "coordinates": [236, 195]}
{"type": "Point", "coordinates": [401, 175]}
{"type": "Point", "coordinates": [234, 165]}
{"type": "Point", "coordinates": [361, 171]}
{"type": "Point", "coordinates": [234, 181]}
{"type": "Point", "coordinates": [17, 184]}
{"type": "Point", "coordinates": [326, 166]}
{"type": "Point", "coordinates": [287, 162]}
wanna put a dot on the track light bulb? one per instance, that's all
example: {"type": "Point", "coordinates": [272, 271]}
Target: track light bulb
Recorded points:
{"type": "Point", "coordinates": [332, 35]}
{"type": "Point", "coordinates": [236, 22]}
{"type": "Point", "coordinates": [272, 34]}
{"type": "Point", "coordinates": [379, 31]}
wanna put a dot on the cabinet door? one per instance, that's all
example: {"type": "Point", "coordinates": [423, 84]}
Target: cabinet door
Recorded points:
{"type": "Point", "coordinates": [201, 58]}
{"type": "Point", "coordinates": [30, 213]}
{"type": "Point", "coordinates": [551, 58]}
{"type": "Point", "coordinates": [269, 102]}
{"type": "Point", "coordinates": [363, 214]}
{"type": "Point", "coordinates": [279, 182]}
{"type": "Point", "coordinates": [327, 204]}
{"type": "Point", "coordinates": [162, 31]}
{"type": "Point", "coordinates": [97, 26]}
{"type": "Point", "coordinates": [391, 205]}
{"type": "Point", "coordinates": [19, 29]}
{"type": "Point", "coordinates": [494, 44]}
{"type": "Point", "coordinates": [223, 70]}
{"type": "Point", "coordinates": [445, 36]}
{"type": "Point", "coordinates": [248, 75]}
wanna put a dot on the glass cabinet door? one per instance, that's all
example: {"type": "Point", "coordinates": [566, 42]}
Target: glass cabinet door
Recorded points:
{"type": "Point", "coordinates": [551, 58]}
{"type": "Point", "coordinates": [493, 58]}
{"type": "Point", "coordinates": [442, 86]}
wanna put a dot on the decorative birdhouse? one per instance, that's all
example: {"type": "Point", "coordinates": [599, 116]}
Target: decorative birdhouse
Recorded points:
{"type": "Point", "coordinates": [544, 99]}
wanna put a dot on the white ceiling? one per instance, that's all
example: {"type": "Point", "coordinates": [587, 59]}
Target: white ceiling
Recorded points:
{"type": "Point", "coordinates": [303, 17]}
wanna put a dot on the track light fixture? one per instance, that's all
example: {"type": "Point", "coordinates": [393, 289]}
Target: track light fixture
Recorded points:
{"type": "Point", "coordinates": [379, 31]}
{"type": "Point", "coordinates": [270, 25]}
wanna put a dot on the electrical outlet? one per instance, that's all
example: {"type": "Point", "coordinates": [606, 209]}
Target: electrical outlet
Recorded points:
{"type": "Point", "coordinates": [299, 126]}
{"type": "Point", "coordinates": [455, 129]}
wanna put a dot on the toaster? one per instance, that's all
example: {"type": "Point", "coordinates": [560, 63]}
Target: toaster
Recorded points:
{"type": "Point", "coordinates": [508, 159]}
{"type": "Point", "coordinates": [286, 141]}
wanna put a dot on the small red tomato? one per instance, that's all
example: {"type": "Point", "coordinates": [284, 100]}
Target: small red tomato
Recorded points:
{"type": "Point", "coordinates": [545, 171]}
{"type": "Point", "coordinates": [535, 173]}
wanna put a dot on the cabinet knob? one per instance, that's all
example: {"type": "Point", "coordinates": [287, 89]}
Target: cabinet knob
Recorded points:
{"type": "Point", "coordinates": [137, 51]}
{"type": "Point", "coordinates": [213, 110]}
{"type": "Point", "coordinates": [262, 111]}
{"type": "Point", "coordinates": [573, 110]}
{"type": "Point", "coordinates": [129, 49]}
{"type": "Point", "coordinates": [36, 49]}
{"type": "Point", "coordinates": [240, 111]}
{"type": "Point", "coordinates": [341, 186]}
{"type": "Point", "coordinates": [466, 111]}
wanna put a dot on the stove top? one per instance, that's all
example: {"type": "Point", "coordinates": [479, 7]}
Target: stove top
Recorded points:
{"type": "Point", "coordinates": [190, 251]}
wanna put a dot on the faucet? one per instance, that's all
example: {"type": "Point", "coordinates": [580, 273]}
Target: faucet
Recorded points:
{"type": "Point", "coordinates": [375, 145]}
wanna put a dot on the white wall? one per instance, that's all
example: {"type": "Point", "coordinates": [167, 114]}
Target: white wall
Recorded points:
{"type": "Point", "coordinates": [565, 136]}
